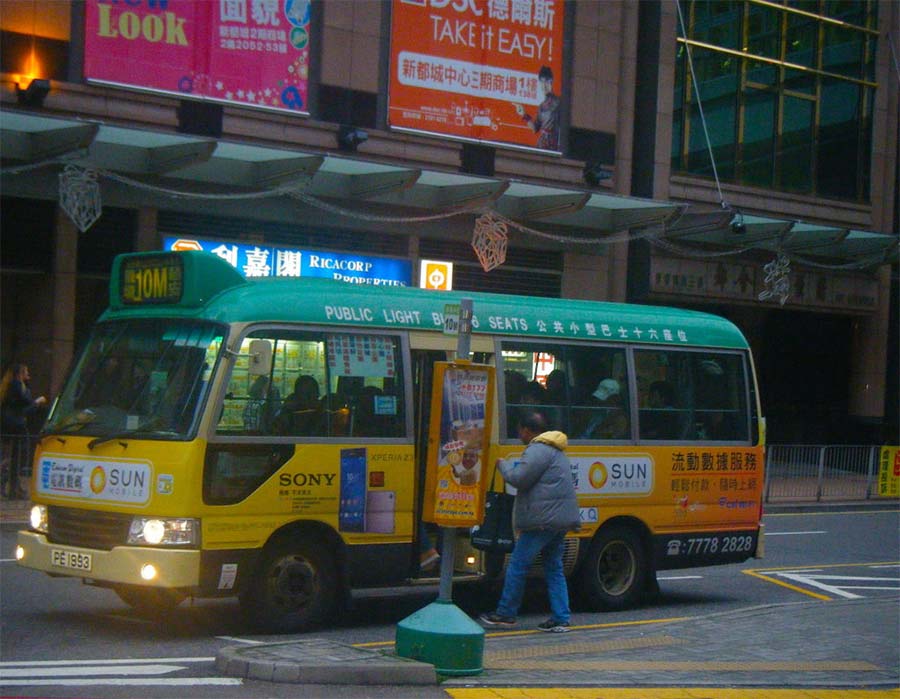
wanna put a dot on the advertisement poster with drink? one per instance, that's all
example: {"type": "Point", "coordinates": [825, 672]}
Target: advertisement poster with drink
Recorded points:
{"type": "Point", "coordinates": [459, 436]}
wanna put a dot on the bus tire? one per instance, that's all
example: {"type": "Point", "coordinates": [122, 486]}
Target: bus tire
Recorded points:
{"type": "Point", "coordinates": [614, 574]}
{"type": "Point", "coordinates": [294, 589]}
{"type": "Point", "coordinates": [149, 601]}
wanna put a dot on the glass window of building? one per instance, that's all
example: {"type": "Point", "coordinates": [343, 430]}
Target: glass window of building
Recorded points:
{"type": "Point", "coordinates": [786, 90]}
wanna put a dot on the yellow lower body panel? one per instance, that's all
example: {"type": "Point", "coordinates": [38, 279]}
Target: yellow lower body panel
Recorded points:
{"type": "Point", "coordinates": [123, 564]}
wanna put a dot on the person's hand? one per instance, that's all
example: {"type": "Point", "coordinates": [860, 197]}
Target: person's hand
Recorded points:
{"type": "Point", "coordinates": [520, 110]}
{"type": "Point", "coordinates": [40, 400]}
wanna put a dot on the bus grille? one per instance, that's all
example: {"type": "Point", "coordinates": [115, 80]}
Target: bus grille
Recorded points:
{"type": "Point", "coordinates": [87, 528]}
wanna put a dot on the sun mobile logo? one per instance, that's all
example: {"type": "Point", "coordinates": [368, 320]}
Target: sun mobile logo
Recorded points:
{"type": "Point", "coordinates": [98, 480]}
{"type": "Point", "coordinates": [597, 475]}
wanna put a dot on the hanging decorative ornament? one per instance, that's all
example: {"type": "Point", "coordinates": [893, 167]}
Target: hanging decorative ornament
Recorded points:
{"type": "Point", "coordinates": [79, 196]}
{"type": "Point", "coordinates": [489, 241]}
{"type": "Point", "coordinates": [778, 279]}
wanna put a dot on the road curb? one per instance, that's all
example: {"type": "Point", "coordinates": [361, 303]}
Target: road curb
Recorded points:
{"type": "Point", "coordinates": [318, 661]}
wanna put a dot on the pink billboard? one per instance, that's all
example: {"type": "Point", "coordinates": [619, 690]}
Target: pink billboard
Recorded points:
{"type": "Point", "coordinates": [252, 52]}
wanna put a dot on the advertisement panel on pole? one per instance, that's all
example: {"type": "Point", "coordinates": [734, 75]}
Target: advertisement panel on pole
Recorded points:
{"type": "Point", "coordinates": [252, 52]}
{"type": "Point", "coordinates": [889, 472]}
{"type": "Point", "coordinates": [458, 441]}
{"type": "Point", "coordinates": [478, 69]}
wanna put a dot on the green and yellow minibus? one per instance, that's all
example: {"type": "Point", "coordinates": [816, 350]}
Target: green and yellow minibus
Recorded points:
{"type": "Point", "coordinates": [267, 438]}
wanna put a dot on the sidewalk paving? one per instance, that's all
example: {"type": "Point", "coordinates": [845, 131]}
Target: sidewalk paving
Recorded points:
{"type": "Point", "coordinates": [783, 645]}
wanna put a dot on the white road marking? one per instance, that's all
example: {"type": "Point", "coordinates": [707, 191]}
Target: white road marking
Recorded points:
{"type": "Point", "coordinates": [73, 671]}
{"type": "Point", "coordinates": [235, 639]}
{"type": "Point", "coordinates": [681, 577]}
{"type": "Point", "coordinates": [112, 661]}
{"type": "Point", "coordinates": [812, 582]}
{"type": "Point", "coordinates": [124, 681]}
{"type": "Point", "coordinates": [768, 533]}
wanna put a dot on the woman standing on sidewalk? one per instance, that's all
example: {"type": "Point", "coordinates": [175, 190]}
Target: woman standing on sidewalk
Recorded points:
{"type": "Point", "coordinates": [16, 405]}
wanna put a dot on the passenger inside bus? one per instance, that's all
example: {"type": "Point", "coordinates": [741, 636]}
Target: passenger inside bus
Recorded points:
{"type": "Point", "coordinates": [660, 419]}
{"type": "Point", "coordinates": [261, 407]}
{"type": "Point", "coordinates": [609, 420]}
{"type": "Point", "coordinates": [301, 412]}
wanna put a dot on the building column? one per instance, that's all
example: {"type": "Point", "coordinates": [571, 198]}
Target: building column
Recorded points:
{"type": "Point", "coordinates": [147, 237]}
{"type": "Point", "coordinates": [64, 283]}
{"type": "Point", "coordinates": [585, 277]}
{"type": "Point", "coordinates": [868, 355]}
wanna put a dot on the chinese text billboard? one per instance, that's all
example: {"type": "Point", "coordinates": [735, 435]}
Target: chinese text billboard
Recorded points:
{"type": "Point", "coordinates": [458, 439]}
{"type": "Point", "coordinates": [253, 52]}
{"type": "Point", "coordinates": [256, 260]}
{"type": "Point", "coordinates": [481, 69]}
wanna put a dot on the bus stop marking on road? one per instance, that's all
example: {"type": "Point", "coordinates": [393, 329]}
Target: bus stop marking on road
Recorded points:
{"type": "Point", "coordinates": [808, 576]}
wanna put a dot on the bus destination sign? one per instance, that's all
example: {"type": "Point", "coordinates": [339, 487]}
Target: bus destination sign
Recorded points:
{"type": "Point", "coordinates": [152, 279]}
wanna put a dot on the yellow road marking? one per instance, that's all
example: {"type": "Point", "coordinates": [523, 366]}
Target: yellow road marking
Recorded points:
{"type": "Point", "coordinates": [687, 665]}
{"type": "Point", "coordinates": [789, 586]}
{"type": "Point", "coordinates": [529, 632]}
{"type": "Point", "coordinates": [569, 648]}
{"type": "Point", "coordinates": [761, 574]}
{"type": "Point", "coordinates": [664, 693]}
{"type": "Point", "coordinates": [848, 512]}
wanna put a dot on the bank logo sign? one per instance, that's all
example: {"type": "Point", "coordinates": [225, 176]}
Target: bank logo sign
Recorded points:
{"type": "Point", "coordinates": [613, 474]}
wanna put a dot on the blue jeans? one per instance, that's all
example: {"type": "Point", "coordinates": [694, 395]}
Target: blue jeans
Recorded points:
{"type": "Point", "coordinates": [528, 545]}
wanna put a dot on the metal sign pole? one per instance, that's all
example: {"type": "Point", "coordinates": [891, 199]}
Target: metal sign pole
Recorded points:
{"type": "Point", "coordinates": [448, 534]}
{"type": "Point", "coordinates": [441, 633]}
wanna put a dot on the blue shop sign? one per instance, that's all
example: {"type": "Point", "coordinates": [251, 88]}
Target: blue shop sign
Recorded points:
{"type": "Point", "coordinates": [254, 260]}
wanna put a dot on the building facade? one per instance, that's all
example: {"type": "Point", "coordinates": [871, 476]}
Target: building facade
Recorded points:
{"type": "Point", "coordinates": [734, 156]}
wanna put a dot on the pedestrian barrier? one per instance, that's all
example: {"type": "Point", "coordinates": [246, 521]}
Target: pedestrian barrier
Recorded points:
{"type": "Point", "coordinates": [15, 465]}
{"type": "Point", "coordinates": [819, 473]}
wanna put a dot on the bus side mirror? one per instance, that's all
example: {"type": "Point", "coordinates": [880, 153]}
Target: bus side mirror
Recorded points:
{"type": "Point", "coordinates": [260, 358]}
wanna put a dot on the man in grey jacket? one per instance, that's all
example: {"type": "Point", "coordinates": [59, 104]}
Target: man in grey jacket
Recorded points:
{"type": "Point", "coordinates": [545, 509]}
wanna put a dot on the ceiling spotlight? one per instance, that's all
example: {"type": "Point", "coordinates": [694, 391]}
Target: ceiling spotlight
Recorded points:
{"type": "Point", "coordinates": [738, 227]}
{"type": "Point", "coordinates": [350, 137]}
{"type": "Point", "coordinates": [34, 94]}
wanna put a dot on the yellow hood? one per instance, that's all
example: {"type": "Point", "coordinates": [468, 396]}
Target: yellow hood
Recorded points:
{"type": "Point", "coordinates": [554, 438]}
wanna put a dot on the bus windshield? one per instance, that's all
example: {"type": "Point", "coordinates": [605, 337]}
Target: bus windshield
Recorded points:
{"type": "Point", "coordinates": [140, 378]}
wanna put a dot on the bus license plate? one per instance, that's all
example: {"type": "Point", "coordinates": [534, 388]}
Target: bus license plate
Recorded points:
{"type": "Point", "coordinates": [70, 559]}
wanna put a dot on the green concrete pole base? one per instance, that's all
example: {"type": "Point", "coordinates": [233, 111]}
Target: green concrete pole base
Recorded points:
{"type": "Point", "coordinates": [443, 635]}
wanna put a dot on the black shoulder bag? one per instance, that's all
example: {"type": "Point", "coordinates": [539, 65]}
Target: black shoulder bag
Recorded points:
{"type": "Point", "coordinates": [495, 534]}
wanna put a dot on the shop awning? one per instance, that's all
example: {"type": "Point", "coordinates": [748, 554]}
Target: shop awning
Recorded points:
{"type": "Point", "coordinates": [190, 164]}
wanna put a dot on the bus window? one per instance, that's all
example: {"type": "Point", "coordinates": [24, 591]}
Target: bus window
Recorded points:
{"type": "Point", "coordinates": [580, 390]}
{"type": "Point", "coordinates": [320, 385]}
{"type": "Point", "coordinates": [691, 396]}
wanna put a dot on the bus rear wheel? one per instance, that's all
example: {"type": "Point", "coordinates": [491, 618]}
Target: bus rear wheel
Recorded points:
{"type": "Point", "coordinates": [294, 589]}
{"type": "Point", "coordinates": [149, 601]}
{"type": "Point", "coordinates": [614, 575]}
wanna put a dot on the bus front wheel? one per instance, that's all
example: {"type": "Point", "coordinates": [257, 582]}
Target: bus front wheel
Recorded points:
{"type": "Point", "coordinates": [293, 590]}
{"type": "Point", "coordinates": [614, 574]}
{"type": "Point", "coordinates": [149, 601]}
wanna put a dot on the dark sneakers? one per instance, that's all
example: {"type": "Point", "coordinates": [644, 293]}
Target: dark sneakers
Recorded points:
{"type": "Point", "coordinates": [494, 619]}
{"type": "Point", "coordinates": [553, 626]}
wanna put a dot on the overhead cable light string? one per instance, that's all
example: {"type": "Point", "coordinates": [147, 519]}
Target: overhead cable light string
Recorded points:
{"type": "Point", "coordinates": [690, 61]}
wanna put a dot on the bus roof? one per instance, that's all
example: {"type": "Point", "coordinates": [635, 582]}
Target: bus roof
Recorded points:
{"type": "Point", "coordinates": [211, 288]}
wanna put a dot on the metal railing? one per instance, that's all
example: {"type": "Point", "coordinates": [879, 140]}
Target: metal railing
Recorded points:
{"type": "Point", "coordinates": [16, 454]}
{"type": "Point", "coordinates": [819, 473]}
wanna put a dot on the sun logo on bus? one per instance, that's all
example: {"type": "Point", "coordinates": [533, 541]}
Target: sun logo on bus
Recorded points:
{"type": "Point", "coordinates": [98, 480]}
{"type": "Point", "coordinates": [597, 475]}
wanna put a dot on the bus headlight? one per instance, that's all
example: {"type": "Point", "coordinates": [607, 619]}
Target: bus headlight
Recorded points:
{"type": "Point", "coordinates": [38, 518]}
{"type": "Point", "coordinates": [163, 531]}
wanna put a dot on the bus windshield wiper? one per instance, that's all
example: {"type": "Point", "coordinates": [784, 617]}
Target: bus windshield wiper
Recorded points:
{"type": "Point", "coordinates": [127, 434]}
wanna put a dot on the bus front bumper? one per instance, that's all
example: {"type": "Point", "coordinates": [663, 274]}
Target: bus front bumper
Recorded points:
{"type": "Point", "coordinates": [174, 568]}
